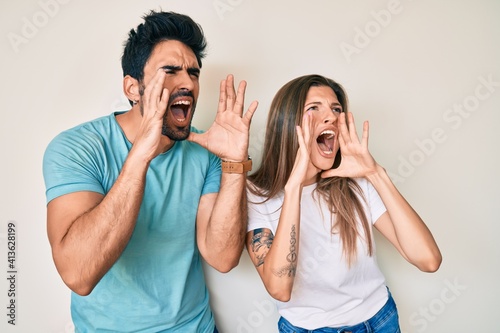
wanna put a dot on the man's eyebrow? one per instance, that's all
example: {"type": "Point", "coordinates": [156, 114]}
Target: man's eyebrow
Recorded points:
{"type": "Point", "coordinates": [193, 70]}
{"type": "Point", "coordinates": [190, 70]}
{"type": "Point", "coordinates": [171, 67]}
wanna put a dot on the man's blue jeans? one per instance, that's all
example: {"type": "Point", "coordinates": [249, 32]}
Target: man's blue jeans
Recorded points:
{"type": "Point", "coordinates": [386, 320]}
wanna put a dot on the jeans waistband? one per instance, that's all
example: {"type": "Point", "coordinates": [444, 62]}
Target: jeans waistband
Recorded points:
{"type": "Point", "coordinates": [374, 322]}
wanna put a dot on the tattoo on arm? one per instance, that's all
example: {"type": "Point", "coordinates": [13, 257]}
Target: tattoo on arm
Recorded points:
{"type": "Point", "coordinates": [291, 268]}
{"type": "Point", "coordinates": [261, 242]}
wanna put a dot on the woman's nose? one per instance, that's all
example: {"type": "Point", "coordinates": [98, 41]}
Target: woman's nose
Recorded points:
{"type": "Point", "coordinates": [330, 117]}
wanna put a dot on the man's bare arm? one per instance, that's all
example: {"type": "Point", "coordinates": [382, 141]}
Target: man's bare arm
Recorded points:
{"type": "Point", "coordinates": [222, 218]}
{"type": "Point", "coordinates": [221, 223]}
{"type": "Point", "coordinates": [89, 231]}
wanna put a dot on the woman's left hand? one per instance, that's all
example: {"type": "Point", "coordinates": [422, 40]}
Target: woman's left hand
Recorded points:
{"type": "Point", "coordinates": [356, 159]}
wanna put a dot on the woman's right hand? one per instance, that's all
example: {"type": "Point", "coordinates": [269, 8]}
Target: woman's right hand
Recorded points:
{"type": "Point", "coordinates": [303, 171]}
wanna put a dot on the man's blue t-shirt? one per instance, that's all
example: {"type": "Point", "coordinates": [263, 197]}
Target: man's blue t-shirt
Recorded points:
{"type": "Point", "coordinates": [157, 284]}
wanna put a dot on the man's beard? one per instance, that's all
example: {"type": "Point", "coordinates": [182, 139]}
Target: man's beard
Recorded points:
{"type": "Point", "coordinates": [171, 131]}
{"type": "Point", "coordinates": [175, 133]}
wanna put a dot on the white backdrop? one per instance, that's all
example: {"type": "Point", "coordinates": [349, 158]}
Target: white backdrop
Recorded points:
{"type": "Point", "coordinates": [425, 74]}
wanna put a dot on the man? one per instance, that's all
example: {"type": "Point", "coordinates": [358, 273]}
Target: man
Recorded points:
{"type": "Point", "coordinates": [134, 198]}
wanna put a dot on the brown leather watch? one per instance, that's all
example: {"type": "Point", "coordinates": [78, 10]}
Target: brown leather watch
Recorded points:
{"type": "Point", "coordinates": [237, 167]}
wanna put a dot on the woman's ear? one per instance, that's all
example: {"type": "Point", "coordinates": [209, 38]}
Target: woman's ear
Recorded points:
{"type": "Point", "coordinates": [131, 89]}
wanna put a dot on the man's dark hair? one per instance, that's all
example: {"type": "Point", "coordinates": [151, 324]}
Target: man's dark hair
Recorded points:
{"type": "Point", "coordinates": [157, 27]}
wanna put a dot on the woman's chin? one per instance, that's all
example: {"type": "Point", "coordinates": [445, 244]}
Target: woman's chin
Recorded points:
{"type": "Point", "coordinates": [324, 164]}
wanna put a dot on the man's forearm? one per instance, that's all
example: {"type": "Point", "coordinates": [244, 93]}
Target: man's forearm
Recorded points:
{"type": "Point", "coordinates": [226, 229]}
{"type": "Point", "coordinates": [96, 239]}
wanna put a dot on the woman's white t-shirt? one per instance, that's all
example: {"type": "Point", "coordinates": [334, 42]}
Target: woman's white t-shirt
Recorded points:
{"type": "Point", "coordinates": [326, 292]}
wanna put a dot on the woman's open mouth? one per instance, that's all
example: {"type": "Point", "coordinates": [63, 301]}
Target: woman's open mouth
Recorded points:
{"type": "Point", "coordinates": [326, 141]}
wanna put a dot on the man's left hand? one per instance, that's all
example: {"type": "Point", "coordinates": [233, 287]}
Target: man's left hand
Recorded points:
{"type": "Point", "coordinates": [228, 136]}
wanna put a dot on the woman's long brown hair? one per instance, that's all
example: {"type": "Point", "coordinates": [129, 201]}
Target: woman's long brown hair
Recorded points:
{"type": "Point", "coordinates": [279, 153]}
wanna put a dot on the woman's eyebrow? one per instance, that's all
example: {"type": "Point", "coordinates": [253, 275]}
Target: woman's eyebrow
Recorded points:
{"type": "Point", "coordinates": [319, 103]}
{"type": "Point", "coordinates": [315, 103]}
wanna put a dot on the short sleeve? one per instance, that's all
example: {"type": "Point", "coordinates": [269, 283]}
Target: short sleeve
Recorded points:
{"type": "Point", "coordinates": [69, 165]}
{"type": "Point", "coordinates": [212, 181]}
{"type": "Point", "coordinates": [375, 205]}
{"type": "Point", "coordinates": [262, 214]}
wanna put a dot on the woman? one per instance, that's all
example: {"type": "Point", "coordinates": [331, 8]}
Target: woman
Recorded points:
{"type": "Point", "coordinates": [312, 204]}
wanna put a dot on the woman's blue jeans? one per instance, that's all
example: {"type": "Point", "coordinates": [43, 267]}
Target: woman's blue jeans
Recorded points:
{"type": "Point", "coordinates": [386, 320]}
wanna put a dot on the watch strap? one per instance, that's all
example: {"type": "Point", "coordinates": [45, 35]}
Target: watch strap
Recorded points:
{"type": "Point", "coordinates": [237, 167]}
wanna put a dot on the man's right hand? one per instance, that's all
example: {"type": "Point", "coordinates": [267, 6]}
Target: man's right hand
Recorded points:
{"type": "Point", "coordinates": [149, 141]}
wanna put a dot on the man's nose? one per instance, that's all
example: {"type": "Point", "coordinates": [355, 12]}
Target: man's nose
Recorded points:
{"type": "Point", "coordinates": [185, 81]}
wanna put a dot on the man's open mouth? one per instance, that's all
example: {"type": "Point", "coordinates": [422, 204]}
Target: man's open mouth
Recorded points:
{"type": "Point", "coordinates": [180, 110]}
{"type": "Point", "coordinates": [325, 141]}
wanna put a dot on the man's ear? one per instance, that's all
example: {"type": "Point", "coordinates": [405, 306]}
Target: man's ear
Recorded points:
{"type": "Point", "coordinates": [131, 88]}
